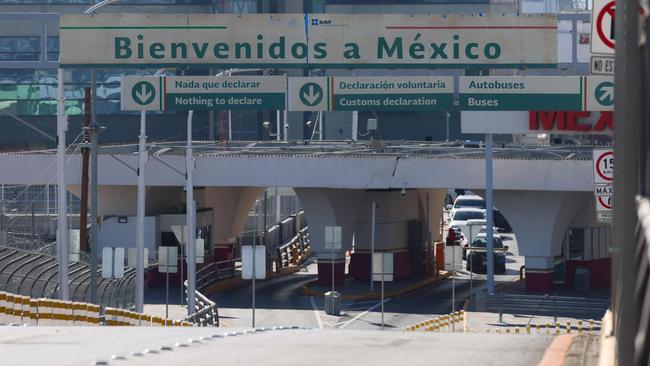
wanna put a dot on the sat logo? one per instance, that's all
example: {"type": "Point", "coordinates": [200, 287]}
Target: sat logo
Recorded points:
{"type": "Point", "coordinates": [316, 21]}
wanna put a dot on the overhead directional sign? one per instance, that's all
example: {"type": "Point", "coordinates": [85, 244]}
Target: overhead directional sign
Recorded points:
{"type": "Point", "coordinates": [333, 93]}
{"type": "Point", "coordinates": [204, 92]}
{"type": "Point", "coordinates": [308, 40]}
{"type": "Point", "coordinates": [417, 93]}
{"type": "Point", "coordinates": [539, 93]}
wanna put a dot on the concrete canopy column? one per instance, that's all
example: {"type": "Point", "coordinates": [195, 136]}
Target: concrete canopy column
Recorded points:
{"type": "Point", "coordinates": [230, 206]}
{"type": "Point", "coordinates": [400, 230]}
{"type": "Point", "coordinates": [539, 220]}
{"type": "Point", "coordinates": [330, 207]}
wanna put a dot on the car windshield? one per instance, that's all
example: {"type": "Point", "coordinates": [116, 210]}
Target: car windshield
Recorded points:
{"type": "Point", "coordinates": [481, 242]}
{"type": "Point", "coordinates": [474, 203]}
{"type": "Point", "coordinates": [468, 215]}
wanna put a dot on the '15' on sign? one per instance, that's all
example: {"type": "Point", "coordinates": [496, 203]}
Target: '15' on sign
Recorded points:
{"type": "Point", "coordinates": [603, 166]}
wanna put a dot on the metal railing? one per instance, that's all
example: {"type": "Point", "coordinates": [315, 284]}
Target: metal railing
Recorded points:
{"type": "Point", "coordinates": [296, 251]}
{"type": "Point", "coordinates": [543, 304]}
{"type": "Point", "coordinates": [35, 274]}
{"type": "Point", "coordinates": [206, 312]}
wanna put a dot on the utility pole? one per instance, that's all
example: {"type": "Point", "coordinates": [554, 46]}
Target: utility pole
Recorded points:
{"type": "Point", "coordinates": [83, 204]}
{"type": "Point", "coordinates": [94, 131]}
{"type": "Point", "coordinates": [62, 237]}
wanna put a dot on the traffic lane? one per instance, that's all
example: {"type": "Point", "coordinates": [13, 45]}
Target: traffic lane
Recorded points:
{"type": "Point", "coordinates": [278, 302]}
{"type": "Point", "coordinates": [403, 311]}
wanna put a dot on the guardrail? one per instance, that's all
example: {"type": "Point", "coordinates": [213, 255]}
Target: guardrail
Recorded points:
{"type": "Point", "coordinates": [541, 304]}
{"type": "Point", "coordinates": [206, 311]}
{"type": "Point", "coordinates": [296, 251]}
{"type": "Point", "coordinates": [35, 274]}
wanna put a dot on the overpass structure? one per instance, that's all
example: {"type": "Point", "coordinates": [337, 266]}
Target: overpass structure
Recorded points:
{"type": "Point", "coordinates": [541, 190]}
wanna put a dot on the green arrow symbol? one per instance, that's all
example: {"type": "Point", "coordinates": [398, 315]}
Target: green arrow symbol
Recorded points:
{"type": "Point", "coordinates": [143, 92]}
{"type": "Point", "coordinates": [311, 94]}
{"type": "Point", "coordinates": [605, 93]}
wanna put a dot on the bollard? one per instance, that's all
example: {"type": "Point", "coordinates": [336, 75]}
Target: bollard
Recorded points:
{"type": "Point", "coordinates": [516, 330]}
{"type": "Point", "coordinates": [487, 331]}
{"type": "Point", "coordinates": [548, 328]}
{"type": "Point", "coordinates": [3, 307]}
{"type": "Point", "coordinates": [498, 331]}
{"type": "Point", "coordinates": [568, 327]}
{"type": "Point", "coordinates": [591, 325]}
{"type": "Point", "coordinates": [579, 326]}
{"type": "Point", "coordinates": [557, 328]}
{"type": "Point", "coordinates": [538, 329]}
{"type": "Point", "coordinates": [528, 329]}
{"type": "Point", "coordinates": [507, 330]}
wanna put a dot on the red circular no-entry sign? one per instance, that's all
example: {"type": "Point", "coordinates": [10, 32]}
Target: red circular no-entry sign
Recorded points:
{"type": "Point", "coordinates": [608, 11]}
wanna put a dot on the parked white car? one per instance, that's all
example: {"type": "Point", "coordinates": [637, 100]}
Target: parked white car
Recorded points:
{"type": "Point", "coordinates": [467, 201]}
{"type": "Point", "coordinates": [462, 215]}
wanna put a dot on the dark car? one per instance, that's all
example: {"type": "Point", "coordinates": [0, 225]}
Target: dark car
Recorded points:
{"type": "Point", "coordinates": [477, 255]}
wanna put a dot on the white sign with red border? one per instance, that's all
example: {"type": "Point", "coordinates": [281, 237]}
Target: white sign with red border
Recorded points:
{"type": "Point", "coordinates": [602, 27]}
{"type": "Point", "coordinates": [603, 166]}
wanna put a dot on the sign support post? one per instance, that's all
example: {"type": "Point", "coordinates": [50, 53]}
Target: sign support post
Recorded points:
{"type": "Point", "coordinates": [489, 213]}
{"type": "Point", "coordinates": [139, 256]}
{"type": "Point", "coordinates": [191, 230]}
{"type": "Point", "coordinates": [62, 235]}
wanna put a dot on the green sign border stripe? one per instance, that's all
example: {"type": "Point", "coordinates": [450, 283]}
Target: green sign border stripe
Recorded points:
{"type": "Point", "coordinates": [145, 27]}
{"type": "Point", "coordinates": [302, 65]}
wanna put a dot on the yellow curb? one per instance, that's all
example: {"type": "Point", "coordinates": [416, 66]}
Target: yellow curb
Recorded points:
{"type": "Point", "coordinates": [307, 291]}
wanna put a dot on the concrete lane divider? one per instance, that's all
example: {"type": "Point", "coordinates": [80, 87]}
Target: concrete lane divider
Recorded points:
{"type": "Point", "coordinates": [3, 308]}
{"type": "Point", "coordinates": [79, 313]}
{"type": "Point", "coordinates": [93, 314]}
{"type": "Point", "coordinates": [44, 312]}
{"type": "Point", "coordinates": [33, 311]}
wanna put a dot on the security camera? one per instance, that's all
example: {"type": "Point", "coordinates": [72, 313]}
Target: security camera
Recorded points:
{"type": "Point", "coordinates": [403, 192]}
{"type": "Point", "coordinates": [266, 124]}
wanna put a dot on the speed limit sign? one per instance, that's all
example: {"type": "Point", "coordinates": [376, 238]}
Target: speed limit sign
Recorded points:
{"type": "Point", "coordinates": [603, 166]}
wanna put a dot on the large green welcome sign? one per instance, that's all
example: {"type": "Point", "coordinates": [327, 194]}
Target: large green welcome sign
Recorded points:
{"type": "Point", "coordinates": [307, 40]}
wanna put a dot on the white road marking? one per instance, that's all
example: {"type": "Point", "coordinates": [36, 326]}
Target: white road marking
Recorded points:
{"type": "Point", "coordinates": [362, 314]}
{"type": "Point", "coordinates": [313, 305]}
